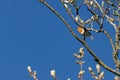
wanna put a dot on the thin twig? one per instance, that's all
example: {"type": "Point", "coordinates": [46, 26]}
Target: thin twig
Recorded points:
{"type": "Point", "coordinates": [110, 3]}
{"type": "Point", "coordinates": [115, 53]}
{"type": "Point", "coordinates": [95, 16]}
{"type": "Point", "coordinates": [113, 47]}
{"type": "Point", "coordinates": [110, 39]}
{"type": "Point", "coordinates": [113, 24]}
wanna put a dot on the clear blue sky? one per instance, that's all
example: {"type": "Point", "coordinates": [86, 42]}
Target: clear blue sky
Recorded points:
{"type": "Point", "coordinates": [30, 34]}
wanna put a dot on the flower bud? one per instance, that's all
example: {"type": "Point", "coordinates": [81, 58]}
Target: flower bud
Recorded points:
{"type": "Point", "coordinates": [68, 79]}
{"type": "Point", "coordinates": [90, 69]}
{"type": "Point", "coordinates": [81, 50]}
{"type": "Point", "coordinates": [101, 75]}
{"type": "Point", "coordinates": [66, 6]}
{"type": "Point", "coordinates": [91, 72]}
{"type": "Point", "coordinates": [52, 73]}
{"type": "Point", "coordinates": [91, 3]}
{"type": "Point", "coordinates": [111, 19]}
{"type": "Point", "coordinates": [81, 72]}
{"type": "Point", "coordinates": [76, 18]}
{"type": "Point", "coordinates": [102, 3]}
{"type": "Point", "coordinates": [29, 69]}
{"type": "Point", "coordinates": [116, 78]}
{"type": "Point", "coordinates": [98, 68]}
{"type": "Point", "coordinates": [35, 73]}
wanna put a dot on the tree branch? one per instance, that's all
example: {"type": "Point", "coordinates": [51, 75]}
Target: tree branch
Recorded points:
{"type": "Point", "coordinates": [110, 39]}
{"type": "Point", "coordinates": [80, 40]}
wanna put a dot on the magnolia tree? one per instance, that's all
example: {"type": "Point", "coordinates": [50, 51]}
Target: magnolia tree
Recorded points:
{"type": "Point", "coordinates": [102, 12]}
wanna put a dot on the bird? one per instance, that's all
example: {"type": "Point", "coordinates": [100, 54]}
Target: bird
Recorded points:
{"type": "Point", "coordinates": [84, 32]}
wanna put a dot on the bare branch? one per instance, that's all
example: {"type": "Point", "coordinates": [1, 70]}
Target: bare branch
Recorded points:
{"type": "Point", "coordinates": [110, 39]}
{"type": "Point", "coordinates": [109, 18]}
{"type": "Point", "coordinates": [115, 54]}
{"type": "Point", "coordinates": [33, 74]}
{"type": "Point", "coordinates": [80, 40]}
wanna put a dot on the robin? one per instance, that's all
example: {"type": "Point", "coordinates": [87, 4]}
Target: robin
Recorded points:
{"type": "Point", "coordinates": [84, 32]}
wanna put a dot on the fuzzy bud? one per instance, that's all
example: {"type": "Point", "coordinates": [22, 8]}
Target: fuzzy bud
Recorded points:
{"type": "Point", "coordinates": [102, 3]}
{"type": "Point", "coordinates": [91, 72]}
{"type": "Point", "coordinates": [35, 73]}
{"type": "Point", "coordinates": [66, 6]}
{"type": "Point", "coordinates": [98, 68]}
{"type": "Point", "coordinates": [90, 69]}
{"type": "Point", "coordinates": [81, 73]}
{"type": "Point", "coordinates": [68, 1]}
{"type": "Point", "coordinates": [91, 3]}
{"type": "Point", "coordinates": [92, 17]}
{"type": "Point", "coordinates": [76, 18]}
{"type": "Point", "coordinates": [81, 50]}
{"type": "Point", "coordinates": [111, 19]}
{"type": "Point", "coordinates": [77, 56]}
{"type": "Point", "coordinates": [68, 79]}
{"type": "Point", "coordinates": [101, 75]}
{"type": "Point", "coordinates": [29, 69]}
{"type": "Point", "coordinates": [52, 73]}
{"type": "Point", "coordinates": [116, 78]}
